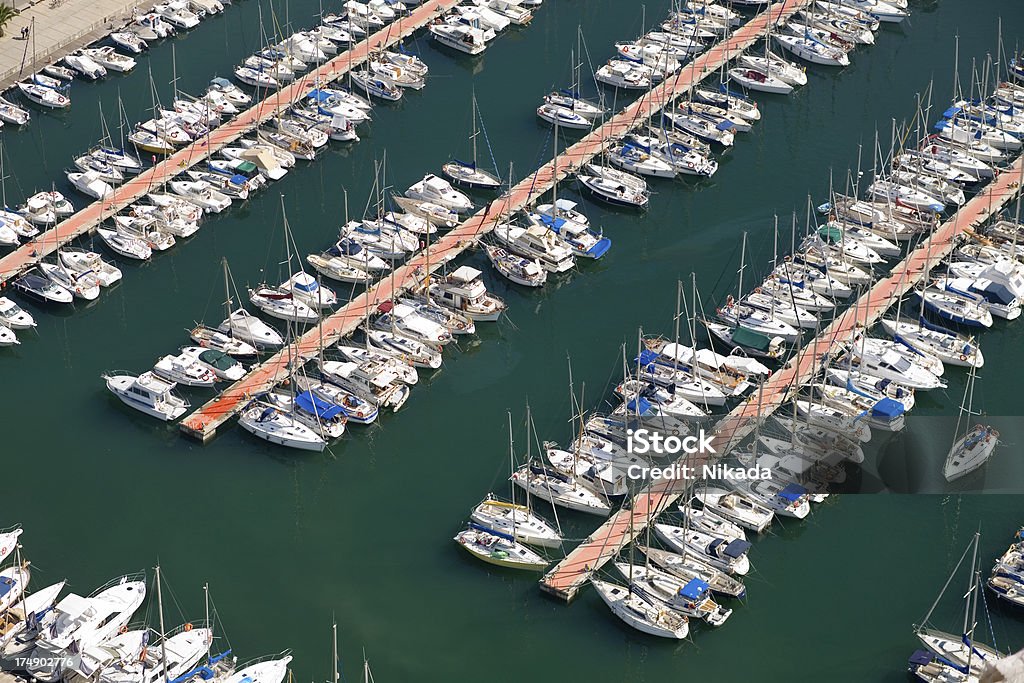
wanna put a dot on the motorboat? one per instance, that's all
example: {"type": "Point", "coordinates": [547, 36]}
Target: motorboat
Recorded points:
{"type": "Point", "coordinates": [620, 73]}
{"type": "Point", "coordinates": [221, 364]}
{"type": "Point", "coordinates": [12, 113]}
{"type": "Point", "coordinates": [231, 92]}
{"type": "Point", "coordinates": [81, 261]}
{"type": "Point", "coordinates": [460, 37]}
{"type": "Point", "coordinates": [85, 66]}
{"type": "Point", "coordinates": [463, 290]}
{"type": "Point", "coordinates": [83, 285]}
{"type": "Point", "coordinates": [185, 370]}
{"type": "Point", "coordinates": [996, 297]}
{"type": "Point", "coordinates": [421, 355]}
{"type": "Point", "coordinates": [149, 394]}
{"type": "Point", "coordinates": [177, 14]}
{"type": "Point", "coordinates": [404, 319]}
{"type": "Point", "coordinates": [439, 191]}
{"type": "Point", "coordinates": [404, 370]}
{"type": "Point", "coordinates": [91, 184]}
{"type": "Point", "coordinates": [129, 40]}
{"type": "Point", "coordinates": [151, 26]}
{"type": "Point", "coordinates": [110, 59]}
{"type": "Point", "coordinates": [44, 208]}
{"type": "Point", "coordinates": [34, 284]}
{"type": "Point", "coordinates": [14, 317]}
{"type": "Point", "coordinates": [241, 324]}
{"type": "Point", "coordinates": [370, 380]}
{"type": "Point", "coordinates": [536, 242]}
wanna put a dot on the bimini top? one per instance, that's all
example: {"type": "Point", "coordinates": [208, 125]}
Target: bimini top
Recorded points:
{"type": "Point", "coordinates": [736, 548]}
{"type": "Point", "coordinates": [464, 274]}
{"type": "Point", "coordinates": [694, 590]}
{"type": "Point", "coordinates": [793, 492]}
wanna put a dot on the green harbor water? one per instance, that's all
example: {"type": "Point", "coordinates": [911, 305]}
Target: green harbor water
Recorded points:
{"type": "Point", "coordinates": [285, 540]}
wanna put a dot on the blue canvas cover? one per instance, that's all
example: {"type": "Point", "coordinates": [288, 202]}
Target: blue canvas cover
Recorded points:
{"type": "Point", "coordinates": [887, 408]}
{"type": "Point", "coordinates": [736, 548]}
{"type": "Point", "coordinates": [639, 406]}
{"type": "Point", "coordinates": [694, 590]}
{"type": "Point", "coordinates": [792, 492]}
{"type": "Point", "coordinates": [314, 405]}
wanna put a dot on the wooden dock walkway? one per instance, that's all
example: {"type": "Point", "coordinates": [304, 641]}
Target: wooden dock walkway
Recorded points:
{"type": "Point", "coordinates": [86, 220]}
{"type": "Point", "coordinates": [572, 573]}
{"type": "Point", "coordinates": [203, 423]}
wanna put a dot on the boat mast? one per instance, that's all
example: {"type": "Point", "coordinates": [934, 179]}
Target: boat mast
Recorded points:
{"type": "Point", "coordinates": [334, 652]}
{"type": "Point", "coordinates": [163, 633]}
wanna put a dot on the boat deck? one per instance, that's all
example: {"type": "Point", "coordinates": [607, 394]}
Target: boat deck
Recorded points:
{"type": "Point", "coordinates": [571, 574]}
{"type": "Point", "coordinates": [203, 423]}
{"type": "Point", "coordinates": [86, 220]}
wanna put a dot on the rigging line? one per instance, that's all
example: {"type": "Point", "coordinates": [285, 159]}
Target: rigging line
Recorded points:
{"type": "Point", "coordinates": [948, 581]}
{"type": "Point", "coordinates": [487, 141]}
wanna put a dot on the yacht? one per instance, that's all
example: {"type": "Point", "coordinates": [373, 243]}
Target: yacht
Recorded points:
{"type": "Point", "coordinates": [125, 245]}
{"type": "Point", "coordinates": [369, 380]}
{"type": "Point", "coordinates": [221, 364]}
{"type": "Point", "coordinates": [460, 37]}
{"type": "Point", "coordinates": [83, 285]}
{"type": "Point", "coordinates": [35, 285]}
{"type": "Point", "coordinates": [642, 612]}
{"type": "Point", "coordinates": [524, 271]}
{"type": "Point", "coordinates": [185, 370]}
{"type": "Point", "coordinates": [536, 242]}
{"type": "Point", "coordinates": [149, 394]}
{"type": "Point", "coordinates": [439, 191]}
{"type": "Point", "coordinates": [518, 521]}
{"type": "Point", "coordinates": [83, 623]}
{"type": "Point", "coordinates": [14, 316]}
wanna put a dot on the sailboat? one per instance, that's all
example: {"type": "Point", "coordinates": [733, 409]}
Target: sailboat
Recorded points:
{"type": "Point", "coordinates": [467, 174]}
{"type": "Point", "coordinates": [975, 447]}
{"type": "Point", "coordinates": [961, 651]}
{"type": "Point", "coordinates": [499, 548]}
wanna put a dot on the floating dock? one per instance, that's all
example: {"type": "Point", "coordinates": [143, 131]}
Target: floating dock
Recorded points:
{"type": "Point", "coordinates": [203, 423]}
{"type": "Point", "coordinates": [86, 220]}
{"type": "Point", "coordinates": [566, 578]}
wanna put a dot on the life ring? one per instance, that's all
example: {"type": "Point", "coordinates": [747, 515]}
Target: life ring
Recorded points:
{"type": "Point", "coordinates": [188, 626]}
{"type": "Point", "coordinates": [123, 629]}
{"type": "Point", "coordinates": [963, 356]}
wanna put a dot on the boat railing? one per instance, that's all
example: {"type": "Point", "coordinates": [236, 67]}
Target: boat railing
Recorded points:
{"type": "Point", "coordinates": [10, 529]}
{"type": "Point", "coordinates": [264, 658]}
{"type": "Point", "coordinates": [135, 576]}
{"type": "Point", "coordinates": [187, 626]}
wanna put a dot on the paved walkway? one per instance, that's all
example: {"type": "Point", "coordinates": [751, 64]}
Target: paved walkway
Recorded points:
{"type": "Point", "coordinates": [61, 26]}
{"type": "Point", "coordinates": [90, 217]}
{"type": "Point", "coordinates": [572, 573]}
